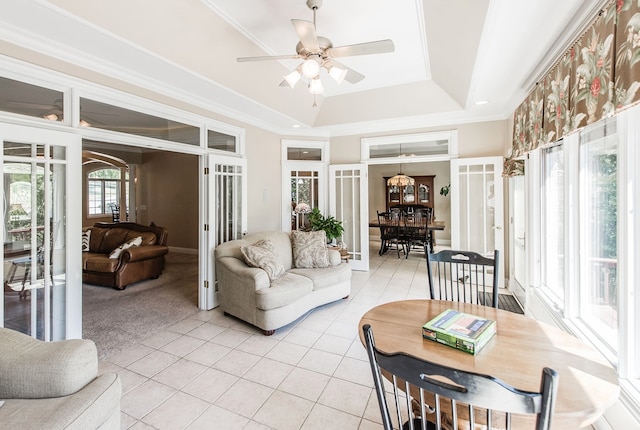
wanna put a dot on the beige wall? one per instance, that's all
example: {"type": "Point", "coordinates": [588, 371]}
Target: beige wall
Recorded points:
{"type": "Point", "coordinates": [264, 180]}
{"type": "Point", "coordinates": [168, 195]}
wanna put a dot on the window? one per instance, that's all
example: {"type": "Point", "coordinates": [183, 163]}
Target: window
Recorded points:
{"type": "Point", "coordinates": [553, 228]}
{"type": "Point", "coordinates": [109, 117]}
{"type": "Point", "coordinates": [35, 101]}
{"type": "Point", "coordinates": [434, 146]}
{"type": "Point", "coordinates": [587, 214]}
{"type": "Point", "coordinates": [221, 141]}
{"type": "Point", "coordinates": [104, 190]}
{"type": "Point", "coordinates": [598, 232]}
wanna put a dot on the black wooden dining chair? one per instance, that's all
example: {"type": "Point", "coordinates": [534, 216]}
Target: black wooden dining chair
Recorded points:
{"type": "Point", "coordinates": [414, 232]}
{"type": "Point", "coordinates": [389, 223]}
{"type": "Point", "coordinates": [443, 398]}
{"type": "Point", "coordinates": [464, 276]}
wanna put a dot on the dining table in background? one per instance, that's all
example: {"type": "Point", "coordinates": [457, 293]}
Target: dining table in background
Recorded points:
{"type": "Point", "coordinates": [521, 348]}
{"type": "Point", "coordinates": [431, 227]}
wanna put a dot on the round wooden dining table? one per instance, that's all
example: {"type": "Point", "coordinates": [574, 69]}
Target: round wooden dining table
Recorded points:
{"type": "Point", "coordinates": [521, 348]}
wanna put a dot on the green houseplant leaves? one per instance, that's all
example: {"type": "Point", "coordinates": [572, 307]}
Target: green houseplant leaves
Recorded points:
{"type": "Point", "coordinates": [331, 226]}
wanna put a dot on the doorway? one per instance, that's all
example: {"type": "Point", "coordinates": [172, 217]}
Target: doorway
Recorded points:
{"type": "Point", "coordinates": [442, 203]}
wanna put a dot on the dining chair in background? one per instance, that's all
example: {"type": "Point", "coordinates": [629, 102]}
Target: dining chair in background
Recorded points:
{"type": "Point", "coordinates": [389, 223]}
{"type": "Point", "coordinates": [464, 276]}
{"type": "Point", "coordinates": [414, 232]}
{"type": "Point", "coordinates": [445, 398]}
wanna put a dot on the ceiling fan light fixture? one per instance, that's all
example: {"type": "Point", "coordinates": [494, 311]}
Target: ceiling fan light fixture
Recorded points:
{"type": "Point", "coordinates": [337, 74]}
{"type": "Point", "coordinates": [293, 78]}
{"type": "Point", "coordinates": [315, 86]}
{"type": "Point", "coordinates": [310, 68]}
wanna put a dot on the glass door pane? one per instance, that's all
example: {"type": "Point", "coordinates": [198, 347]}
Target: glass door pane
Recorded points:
{"type": "Point", "coordinates": [304, 197]}
{"type": "Point", "coordinates": [598, 232]}
{"type": "Point", "coordinates": [34, 220]}
{"type": "Point", "coordinates": [518, 216]}
{"type": "Point", "coordinates": [349, 205]}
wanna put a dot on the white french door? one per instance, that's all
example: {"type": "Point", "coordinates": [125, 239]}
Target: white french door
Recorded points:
{"type": "Point", "coordinates": [224, 202]}
{"type": "Point", "coordinates": [477, 206]}
{"type": "Point", "coordinates": [348, 188]}
{"type": "Point", "coordinates": [41, 219]}
{"type": "Point", "coordinates": [517, 215]}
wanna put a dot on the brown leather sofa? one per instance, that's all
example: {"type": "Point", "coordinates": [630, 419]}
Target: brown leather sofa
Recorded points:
{"type": "Point", "coordinates": [133, 264]}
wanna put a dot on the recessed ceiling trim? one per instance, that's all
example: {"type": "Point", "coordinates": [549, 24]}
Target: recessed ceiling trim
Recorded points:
{"type": "Point", "coordinates": [423, 38]}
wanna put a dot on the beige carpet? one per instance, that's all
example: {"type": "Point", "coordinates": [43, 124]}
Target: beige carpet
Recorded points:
{"type": "Point", "coordinates": [116, 319]}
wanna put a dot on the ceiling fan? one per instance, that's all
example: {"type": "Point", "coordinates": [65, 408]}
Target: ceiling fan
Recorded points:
{"type": "Point", "coordinates": [318, 52]}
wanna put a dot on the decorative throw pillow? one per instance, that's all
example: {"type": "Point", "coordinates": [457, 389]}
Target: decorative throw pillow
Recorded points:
{"type": "Point", "coordinates": [309, 249]}
{"type": "Point", "coordinates": [133, 242]}
{"type": "Point", "coordinates": [86, 237]}
{"type": "Point", "coordinates": [262, 254]}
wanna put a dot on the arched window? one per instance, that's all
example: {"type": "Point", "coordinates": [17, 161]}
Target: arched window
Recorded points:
{"type": "Point", "coordinates": [103, 190]}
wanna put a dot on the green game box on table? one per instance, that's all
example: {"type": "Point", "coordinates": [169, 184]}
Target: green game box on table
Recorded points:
{"type": "Point", "coordinates": [466, 332]}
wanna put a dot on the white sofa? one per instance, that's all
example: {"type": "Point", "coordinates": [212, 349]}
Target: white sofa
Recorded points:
{"type": "Point", "coordinates": [55, 385]}
{"type": "Point", "coordinates": [248, 293]}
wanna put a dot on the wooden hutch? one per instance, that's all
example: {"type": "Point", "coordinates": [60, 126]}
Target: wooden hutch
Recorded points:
{"type": "Point", "coordinates": [411, 196]}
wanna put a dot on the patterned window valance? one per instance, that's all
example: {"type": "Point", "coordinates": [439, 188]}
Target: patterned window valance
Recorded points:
{"type": "Point", "coordinates": [512, 167]}
{"type": "Point", "coordinates": [596, 77]}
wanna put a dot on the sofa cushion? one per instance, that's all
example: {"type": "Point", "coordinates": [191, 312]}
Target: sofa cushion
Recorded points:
{"type": "Point", "coordinates": [262, 255]}
{"type": "Point", "coordinates": [309, 249]}
{"type": "Point", "coordinates": [283, 291]}
{"type": "Point", "coordinates": [325, 277]}
{"type": "Point", "coordinates": [133, 242]}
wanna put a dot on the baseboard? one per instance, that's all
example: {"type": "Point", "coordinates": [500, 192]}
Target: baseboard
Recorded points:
{"type": "Point", "coordinates": [179, 250]}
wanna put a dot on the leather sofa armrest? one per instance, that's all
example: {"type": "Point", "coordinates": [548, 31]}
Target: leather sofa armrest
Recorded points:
{"type": "Point", "coordinates": [139, 253]}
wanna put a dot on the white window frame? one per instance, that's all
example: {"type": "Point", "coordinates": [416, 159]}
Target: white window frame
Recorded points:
{"type": "Point", "coordinates": [627, 358]}
{"type": "Point", "coordinates": [451, 136]}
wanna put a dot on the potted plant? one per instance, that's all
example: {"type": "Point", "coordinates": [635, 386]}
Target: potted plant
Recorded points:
{"type": "Point", "coordinates": [331, 226]}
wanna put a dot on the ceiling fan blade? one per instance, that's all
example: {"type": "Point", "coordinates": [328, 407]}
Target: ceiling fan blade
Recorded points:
{"type": "Point", "coordinates": [307, 34]}
{"type": "Point", "coordinates": [352, 76]}
{"type": "Point", "coordinates": [267, 58]}
{"type": "Point", "coordinates": [377, 47]}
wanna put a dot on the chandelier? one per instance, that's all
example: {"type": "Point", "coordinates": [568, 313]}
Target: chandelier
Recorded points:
{"type": "Point", "coordinates": [401, 180]}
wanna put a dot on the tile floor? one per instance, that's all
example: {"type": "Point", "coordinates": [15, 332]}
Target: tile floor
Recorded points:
{"type": "Point", "coordinates": [215, 372]}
